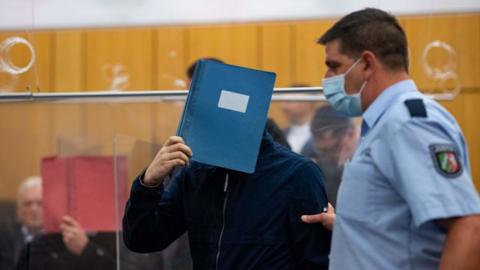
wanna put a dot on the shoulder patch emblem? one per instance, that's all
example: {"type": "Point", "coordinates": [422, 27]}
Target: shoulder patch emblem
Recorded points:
{"type": "Point", "coordinates": [445, 158]}
{"type": "Point", "coordinates": [416, 108]}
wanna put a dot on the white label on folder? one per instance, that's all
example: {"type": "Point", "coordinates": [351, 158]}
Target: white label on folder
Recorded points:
{"type": "Point", "coordinates": [233, 101]}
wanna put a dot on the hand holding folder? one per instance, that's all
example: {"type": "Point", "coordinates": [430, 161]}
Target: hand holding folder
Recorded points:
{"type": "Point", "coordinates": [173, 153]}
{"type": "Point", "coordinates": [91, 189]}
{"type": "Point", "coordinates": [225, 114]}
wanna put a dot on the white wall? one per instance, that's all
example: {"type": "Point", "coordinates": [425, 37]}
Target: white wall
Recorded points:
{"type": "Point", "coordinates": [27, 14]}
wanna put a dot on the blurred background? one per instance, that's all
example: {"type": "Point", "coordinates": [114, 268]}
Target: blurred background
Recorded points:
{"type": "Point", "coordinates": [57, 46]}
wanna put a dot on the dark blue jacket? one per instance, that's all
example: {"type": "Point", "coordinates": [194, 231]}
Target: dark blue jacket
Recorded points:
{"type": "Point", "coordinates": [251, 221]}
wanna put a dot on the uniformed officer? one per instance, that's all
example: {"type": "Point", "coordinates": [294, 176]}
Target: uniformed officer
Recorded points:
{"type": "Point", "coordinates": [406, 200]}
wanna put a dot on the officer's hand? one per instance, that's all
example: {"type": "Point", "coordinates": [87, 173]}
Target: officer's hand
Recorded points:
{"type": "Point", "coordinates": [173, 153]}
{"type": "Point", "coordinates": [74, 237]}
{"type": "Point", "coordinates": [326, 218]}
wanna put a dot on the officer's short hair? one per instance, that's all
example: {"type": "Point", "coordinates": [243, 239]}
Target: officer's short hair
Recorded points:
{"type": "Point", "coordinates": [374, 30]}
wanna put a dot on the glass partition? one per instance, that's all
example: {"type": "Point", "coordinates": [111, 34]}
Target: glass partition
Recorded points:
{"type": "Point", "coordinates": [18, 51]}
{"type": "Point", "coordinates": [331, 140]}
{"type": "Point", "coordinates": [88, 154]}
{"type": "Point", "coordinates": [138, 154]}
{"type": "Point", "coordinates": [88, 149]}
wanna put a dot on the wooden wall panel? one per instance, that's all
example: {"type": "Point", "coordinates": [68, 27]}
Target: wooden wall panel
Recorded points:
{"type": "Point", "coordinates": [275, 54]}
{"type": "Point", "coordinates": [134, 120]}
{"type": "Point", "coordinates": [462, 32]}
{"type": "Point", "coordinates": [133, 51]}
{"type": "Point", "coordinates": [477, 59]}
{"type": "Point", "coordinates": [26, 127]}
{"type": "Point", "coordinates": [275, 51]}
{"type": "Point", "coordinates": [20, 56]}
{"type": "Point", "coordinates": [41, 129]}
{"type": "Point", "coordinates": [275, 112]}
{"type": "Point", "coordinates": [172, 63]}
{"type": "Point", "coordinates": [457, 108]}
{"type": "Point", "coordinates": [73, 60]}
{"type": "Point", "coordinates": [171, 58]}
{"type": "Point", "coordinates": [234, 44]}
{"type": "Point", "coordinates": [100, 125]}
{"type": "Point", "coordinates": [17, 153]}
{"type": "Point", "coordinates": [133, 135]}
{"type": "Point", "coordinates": [125, 53]}
{"type": "Point", "coordinates": [103, 123]}
{"type": "Point", "coordinates": [309, 57]}
{"type": "Point", "coordinates": [471, 129]}
{"type": "Point", "coordinates": [39, 76]}
{"type": "Point", "coordinates": [166, 116]}
{"type": "Point", "coordinates": [68, 124]}
{"type": "Point", "coordinates": [465, 108]}
{"type": "Point", "coordinates": [43, 68]}
{"type": "Point", "coordinates": [69, 61]}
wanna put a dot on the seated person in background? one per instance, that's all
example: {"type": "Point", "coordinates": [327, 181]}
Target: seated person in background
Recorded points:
{"type": "Point", "coordinates": [335, 137]}
{"type": "Point", "coordinates": [28, 225]}
{"type": "Point", "coordinates": [27, 247]}
{"type": "Point", "coordinates": [298, 115]}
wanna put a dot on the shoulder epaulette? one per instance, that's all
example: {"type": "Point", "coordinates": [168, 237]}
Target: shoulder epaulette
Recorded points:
{"type": "Point", "coordinates": [416, 107]}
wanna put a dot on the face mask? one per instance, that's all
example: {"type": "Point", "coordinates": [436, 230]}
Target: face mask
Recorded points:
{"type": "Point", "coordinates": [334, 90]}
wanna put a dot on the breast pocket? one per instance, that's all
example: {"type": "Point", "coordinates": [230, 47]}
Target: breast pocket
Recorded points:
{"type": "Point", "coordinates": [355, 192]}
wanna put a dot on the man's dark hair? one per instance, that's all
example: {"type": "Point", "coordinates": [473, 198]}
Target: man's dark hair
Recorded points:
{"type": "Point", "coordinates": [191, 68]}
{"type": "Point", "coordinates": [326, 118]}
{"type": "Point", "coordinates": [374, 30]}
{"type": "Point", "coordinates": [277, 134]}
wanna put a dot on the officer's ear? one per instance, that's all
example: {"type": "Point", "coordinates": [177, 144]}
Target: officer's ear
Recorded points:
{"type": "Point", "coordinates": [369, 64]}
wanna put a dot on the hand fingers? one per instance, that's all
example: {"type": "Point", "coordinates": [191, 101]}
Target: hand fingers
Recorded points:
{"type": "Point", "coordinates": [169, 165]}
{"type": "Point", "coordinates": [67, 220]}
{"type": "Point", "coordinates": [181, 147]}
{"type": "Point", "coordinates": [70, 226]}
{"type": "Point", "coordinates": [330, 209]}
{"type": "Point", "coordinates": [66, 226]}
{"type": "Point", "coordinates": [63, 227]}
{"type": "Point", "coordinates": [70, 221]}
{"type": "Point", "coordinates": [68, 236]}
{"type": "Point", "coordinates": [173, 140]}
{"type": "Point", "coordinates": [318, 218]}
{"type": "Point", "coordinates": [68, 229]}
{"type": "Point", "coordinates": [176, 155]}
{"type": "Point", "coordinates": [176, 162]}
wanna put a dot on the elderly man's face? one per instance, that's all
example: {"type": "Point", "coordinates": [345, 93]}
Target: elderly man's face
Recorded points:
{"type": "Point", "coordinates": [30, 211]}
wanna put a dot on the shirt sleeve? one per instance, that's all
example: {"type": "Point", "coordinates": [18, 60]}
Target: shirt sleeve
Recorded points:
{"type": "Point", "coordinates": [433, 186]}
{"type": "Point", "coordinates": [154, 216]}
{"type": "Point", "coordinates": [311, 241]}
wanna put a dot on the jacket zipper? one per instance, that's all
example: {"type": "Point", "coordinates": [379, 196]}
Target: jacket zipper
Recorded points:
{"type": "Point", "coordinates": [225, 191]}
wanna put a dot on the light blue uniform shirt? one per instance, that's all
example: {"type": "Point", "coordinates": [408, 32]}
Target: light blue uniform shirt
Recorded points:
{"type": "Point", "coordinates": [394, 188]}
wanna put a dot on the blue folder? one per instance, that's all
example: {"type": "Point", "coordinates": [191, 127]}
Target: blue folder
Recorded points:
{"type": "Point", "coordinates": [225, 114]}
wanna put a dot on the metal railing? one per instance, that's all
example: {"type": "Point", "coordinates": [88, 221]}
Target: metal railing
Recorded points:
{"type": "Point", "coordinates": [280, 94]}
